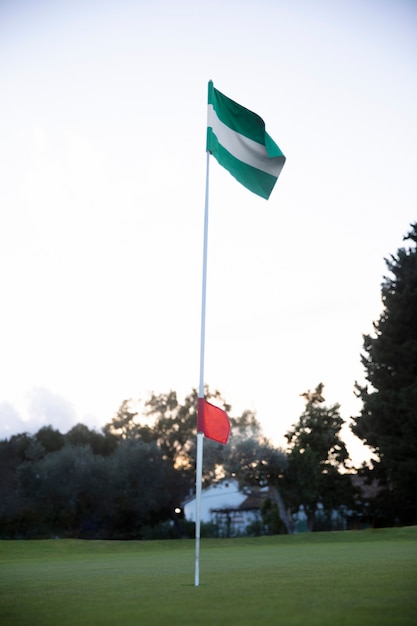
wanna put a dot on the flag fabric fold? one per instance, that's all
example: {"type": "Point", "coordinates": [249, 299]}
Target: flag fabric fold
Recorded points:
{"type": "Point", "coordinates": [237, 139]}
{"type": "Point", "coordinates": [212, 421]}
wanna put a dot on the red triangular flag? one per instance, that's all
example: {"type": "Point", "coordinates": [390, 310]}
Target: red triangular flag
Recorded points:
{"type": "Point", "coordinates": [212, 421]}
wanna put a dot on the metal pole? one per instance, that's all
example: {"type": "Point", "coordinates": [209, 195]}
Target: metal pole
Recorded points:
{"type": "Point", "coordinates": [200, 436]}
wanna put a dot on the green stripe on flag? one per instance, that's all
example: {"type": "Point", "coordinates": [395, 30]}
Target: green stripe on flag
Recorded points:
{"type": "Point", "coordinates": [237, 117]}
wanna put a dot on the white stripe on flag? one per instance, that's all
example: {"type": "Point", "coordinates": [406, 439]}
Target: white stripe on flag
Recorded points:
{"type": "Point", "coordinates": [246, 150]}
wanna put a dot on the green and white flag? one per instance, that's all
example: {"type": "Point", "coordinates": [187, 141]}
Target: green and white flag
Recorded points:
{"type": "Point", "coordinates": [237, 139]}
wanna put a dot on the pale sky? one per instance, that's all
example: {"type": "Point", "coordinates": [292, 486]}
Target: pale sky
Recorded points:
{"type": "Point", "coordinates": [102, 180]}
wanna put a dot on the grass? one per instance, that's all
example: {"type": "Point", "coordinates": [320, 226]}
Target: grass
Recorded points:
{"type": "Point", "coordinates": [324, 579]}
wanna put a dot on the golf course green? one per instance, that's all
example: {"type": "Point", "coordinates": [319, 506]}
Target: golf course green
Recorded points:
{"type": "Point", "coordinates": [353, 578]}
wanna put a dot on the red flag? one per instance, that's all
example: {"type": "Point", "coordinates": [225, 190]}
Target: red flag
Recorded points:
{"type": "Point", "coordinates": [212, 421]}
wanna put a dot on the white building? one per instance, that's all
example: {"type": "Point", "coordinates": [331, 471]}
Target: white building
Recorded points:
{"type": "Point", "coordinates": [228, 507]}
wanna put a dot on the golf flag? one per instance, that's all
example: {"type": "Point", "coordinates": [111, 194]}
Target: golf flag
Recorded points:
{"type": "Point", "coordinates": [212, 421]}
{"type": "Point", "coordinates": [237, 139]}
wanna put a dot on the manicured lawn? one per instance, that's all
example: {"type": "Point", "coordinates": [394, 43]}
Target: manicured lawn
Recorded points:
{"type": "Point", "coordinates": [324, 579]}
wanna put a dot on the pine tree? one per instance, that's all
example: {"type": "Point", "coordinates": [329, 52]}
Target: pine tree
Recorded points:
{"type": "Point", "coordinates": [388, 420]}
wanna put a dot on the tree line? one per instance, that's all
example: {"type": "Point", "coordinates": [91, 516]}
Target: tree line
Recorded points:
{"type": "Point", "coordinates": [134, 475]}
{"type": "Point", "coordinates": [130, 479]}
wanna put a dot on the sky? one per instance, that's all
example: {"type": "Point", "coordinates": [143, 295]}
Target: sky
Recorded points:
{"type": "Point", "coordinates": [102, 184]}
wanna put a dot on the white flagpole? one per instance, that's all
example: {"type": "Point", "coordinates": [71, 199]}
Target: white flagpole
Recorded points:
{"type": "Point", "coordinates": [200, 436]}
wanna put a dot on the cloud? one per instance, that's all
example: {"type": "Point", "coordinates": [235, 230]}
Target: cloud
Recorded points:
{"type": "Point", "coordinates": [10, 421]}
{"type": "Point", "coordinates": [39, 407]}
{"type": "Point", "coordinates": [47, 408]}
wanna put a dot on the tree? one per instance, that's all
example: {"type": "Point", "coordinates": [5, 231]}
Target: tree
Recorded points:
{"type": "Point", "coordinates": [81, 435]}
{"type": "Point", "coordinates": [50, 438]}
{"type": "Point", "coordinates": [74, 492]}
{"type": "Point", "coordinates": [387, 422]}
{"type": "Point", "coordinates": [63, 490]}
{"type": "Point", "coordinates": [144, 488]}
{"type": "Point", "coordinates": [123, 424]}
{"type": "Point", "coordinates": [316, 453]}
{"type": "Point", "coordinates": [10, 502]}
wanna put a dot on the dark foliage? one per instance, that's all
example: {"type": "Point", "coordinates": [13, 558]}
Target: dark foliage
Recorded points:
{"type": "Point", "coordinates": [316, 454]}
{"type": "Point", "coordinates": [388, 420]}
